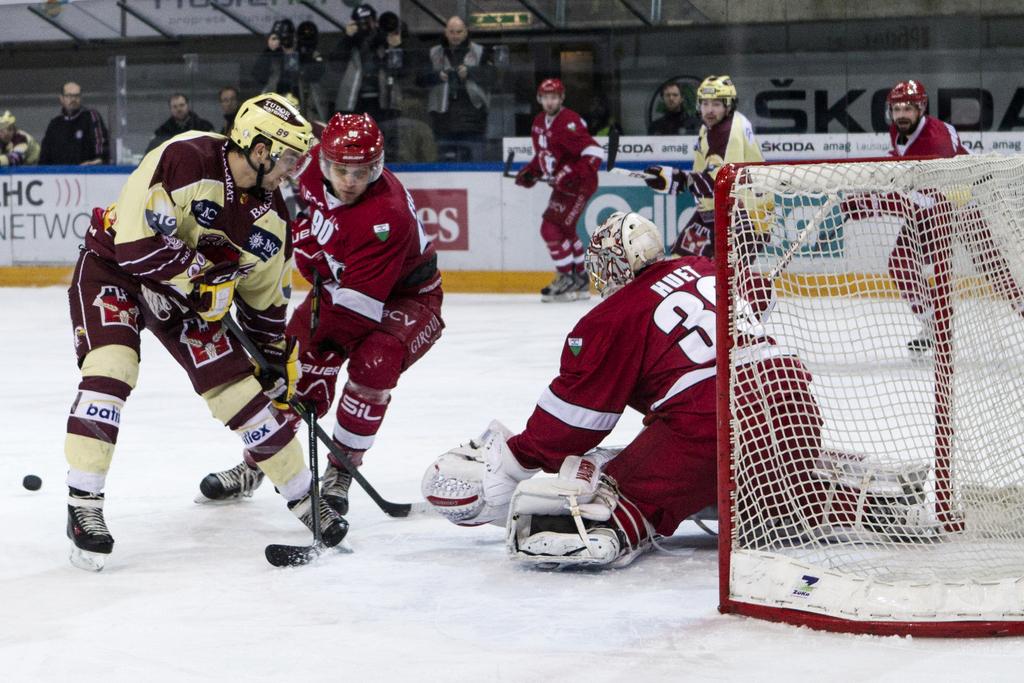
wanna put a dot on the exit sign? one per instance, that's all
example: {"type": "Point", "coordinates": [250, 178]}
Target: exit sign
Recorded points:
{"type": "Point", "coordinates": [500, 20]}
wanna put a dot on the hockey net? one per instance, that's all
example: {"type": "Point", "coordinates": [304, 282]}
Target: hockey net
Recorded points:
{"type": "Point", "coordinates": [872, 462]}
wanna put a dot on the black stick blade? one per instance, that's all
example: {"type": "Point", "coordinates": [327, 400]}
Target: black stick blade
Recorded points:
{"type": "Point", "coordinates": [293, 555]}
{"type": "Point", "coordinates": [509, 160]}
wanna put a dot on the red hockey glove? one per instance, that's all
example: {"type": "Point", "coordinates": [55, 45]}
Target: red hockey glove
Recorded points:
{"type": "Point", "coordinates": [526, 177]}
{"type": "Point", "coordinates": [567, 180]}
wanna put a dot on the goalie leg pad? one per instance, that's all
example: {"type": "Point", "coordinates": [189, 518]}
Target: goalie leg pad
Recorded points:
{"type": "Point", "coordinates": [575, 519]}
{"type": "Point", "coordinates": [864, 498]}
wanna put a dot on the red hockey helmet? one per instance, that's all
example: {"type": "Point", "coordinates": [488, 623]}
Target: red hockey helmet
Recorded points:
{"type": "Point", "coordinates": [551, 85]}
{"type": "Point", "coordinates": [352, 140]}
{"type": "Point", "coordinates": [908, 92]}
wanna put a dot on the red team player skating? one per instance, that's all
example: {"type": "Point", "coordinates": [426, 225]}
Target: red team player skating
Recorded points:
{"type": "Point", "coordinates": [931, 218]}
{"type": "Point", "coordinates": [380, 297]}
{"type": "Point", "coordinates": [198, 227]}
{"type": "Point", "coordinates": [566, 156]}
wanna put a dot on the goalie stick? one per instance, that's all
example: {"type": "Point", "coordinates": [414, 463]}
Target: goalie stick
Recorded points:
{"type": "Point", "coordinates": [389, 508]}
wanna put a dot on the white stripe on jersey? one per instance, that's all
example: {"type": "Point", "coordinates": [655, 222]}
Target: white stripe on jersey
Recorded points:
{"type": "Point", "coordinates": [358, 302]}
{"type": "Point", "coordinates": [577, 416]}
{"type": "Point", "coordinates": [593, 151]}
{"type": "Point", "coordinates": [683, 383]}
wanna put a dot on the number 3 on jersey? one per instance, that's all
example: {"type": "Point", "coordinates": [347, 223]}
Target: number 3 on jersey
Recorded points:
{"type": "Point", "coordinates": [686, 310]}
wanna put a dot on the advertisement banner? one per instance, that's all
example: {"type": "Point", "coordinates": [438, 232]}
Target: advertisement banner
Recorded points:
{"type": "Point", "coordinates": [43, 218]}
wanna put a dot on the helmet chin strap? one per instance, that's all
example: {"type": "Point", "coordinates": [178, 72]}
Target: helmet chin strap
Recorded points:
{"type": "Point", "coordinates": [257, 189]}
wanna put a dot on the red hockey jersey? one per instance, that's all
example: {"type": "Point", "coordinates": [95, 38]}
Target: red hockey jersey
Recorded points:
{"type": "Point", "coordinates": [562, 140]}
{"type": "Point", "coordinates": [366, 252]}
{"type": "Point", "coordinates": [648, 346]}
{"type": "Point", "coordinates": [932, 137]}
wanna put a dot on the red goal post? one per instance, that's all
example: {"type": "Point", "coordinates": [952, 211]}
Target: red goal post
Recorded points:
{"type": "Point", "coordinates": [863, 486]}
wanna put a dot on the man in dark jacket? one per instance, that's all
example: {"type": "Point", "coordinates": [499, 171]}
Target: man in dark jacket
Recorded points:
{"type": "Point", "coordinates": [182, 120]}
{"type": "Point", "coordinates": [678, 120]}
{"type": "Point", "coordinates": [228, 97]}
{"type": "Point", "coordinates": [77, 136]}
{"type": "Point", "coordinates": [459, 70]}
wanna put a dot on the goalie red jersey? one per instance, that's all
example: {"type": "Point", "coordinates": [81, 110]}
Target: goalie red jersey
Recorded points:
{"type": "Point", "coordinates": [649, 346]}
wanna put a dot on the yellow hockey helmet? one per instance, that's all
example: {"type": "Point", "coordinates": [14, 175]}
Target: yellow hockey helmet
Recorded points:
{"type": "Point", "coordinates": [6, 119]}
{"type": "Point", "coordinates": [717, 88]}
{"type": "Point", "coordinates": [275, 118]}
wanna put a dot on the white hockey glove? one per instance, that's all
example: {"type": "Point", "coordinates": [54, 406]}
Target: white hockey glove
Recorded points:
{"type": "Point", "coordinates": [472, 484]}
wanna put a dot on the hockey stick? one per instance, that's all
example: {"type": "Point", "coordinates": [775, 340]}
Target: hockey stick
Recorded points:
{"type": "Point", "coordinates": [613, 147]}
{"type": "Point", "coordinates": [283, 555]}
{"type": "Point", "coordinates": [389, 508]}
{"type": "Point", "coordinates": [508, 164]}
{"type": "Point", "coordinates": [812, 224]}
{"type": "Point", "coordinates": [639, 175]}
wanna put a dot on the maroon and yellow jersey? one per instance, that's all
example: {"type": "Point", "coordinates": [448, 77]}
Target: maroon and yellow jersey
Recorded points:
{"type": "Point", "coordinates": [180, 212]}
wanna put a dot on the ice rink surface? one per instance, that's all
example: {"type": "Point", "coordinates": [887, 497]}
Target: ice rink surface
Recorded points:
{"type": "Point", "coordinates": [187, 595]}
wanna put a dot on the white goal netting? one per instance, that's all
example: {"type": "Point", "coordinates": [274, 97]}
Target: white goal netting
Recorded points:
{"type": "Point", "coordinates": [877, 412]}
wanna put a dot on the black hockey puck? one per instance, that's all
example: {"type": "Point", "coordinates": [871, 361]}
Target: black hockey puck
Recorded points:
{"type": "Point", "coordinates": [31, 482]}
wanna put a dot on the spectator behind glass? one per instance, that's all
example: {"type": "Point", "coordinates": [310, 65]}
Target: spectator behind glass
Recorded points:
{"type": "Point", "coordinates": [182, 120]}
{"type": "Point", "coordinates": [369, 82]}
{"type": "Point", "coordinates": [17, 147]}
{"type": "Point", "coordinates": [311, 72]}
{"type": "Point", "coordinates": [77, 136]}
{"type": "Point", "coordinates": [228, 97]}
{"type": "Point", "coordinates": [457, 100]}
{"type": "Point", "coordinates": [277, 67]}
{"type": "Point", "coordinates": [676, 121]}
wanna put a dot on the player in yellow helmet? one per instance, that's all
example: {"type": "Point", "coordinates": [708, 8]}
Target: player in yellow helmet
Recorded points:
{"type": "Point", "coordinates": [16, 146]}
{"type": "Point", "coordinates": [199, 227]}
{"type": "Point", "coordinates": [725, 136]}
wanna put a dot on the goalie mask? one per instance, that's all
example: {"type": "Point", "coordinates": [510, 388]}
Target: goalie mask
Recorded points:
{"type": "Point", "coordinates": [621, 247]}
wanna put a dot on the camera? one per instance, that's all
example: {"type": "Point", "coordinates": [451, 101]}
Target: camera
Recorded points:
{"type": "Point", "coordinates": [285, 31]}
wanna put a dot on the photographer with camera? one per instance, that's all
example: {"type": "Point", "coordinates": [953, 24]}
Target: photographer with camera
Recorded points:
{"type": "Point", "coordinates": [311, 71]}
{"type": "Point", "coordinates": [373, 62]}
{"type": "Point", "coordinates": [457, 101]}
{"type": "Point", "coordinates": [278, 66]}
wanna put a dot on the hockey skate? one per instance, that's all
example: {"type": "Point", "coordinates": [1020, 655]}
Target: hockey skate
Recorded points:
{"type": "Point", "coordinates": [562, 288]}
{"type": "Point", "coordinates": [334, 488]}
{"type": "Point", "coordinates": [925, 342]}
{"type": "Point", "coordinates": [91, 540]}
{"type": "Point", "coordinates": [582, 285]}
{"type": "Point", "coordinates": [230, 485]}
{"type": "Point", "coordinates": [333, 526]}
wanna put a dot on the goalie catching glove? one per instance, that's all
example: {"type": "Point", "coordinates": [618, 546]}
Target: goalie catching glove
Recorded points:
{"type": "Point", "coordinates": [214, 288]}
{"type": "Point", "coordinates": [472, 484]}
{"type": "Point", "coordinates": [282, 374]}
